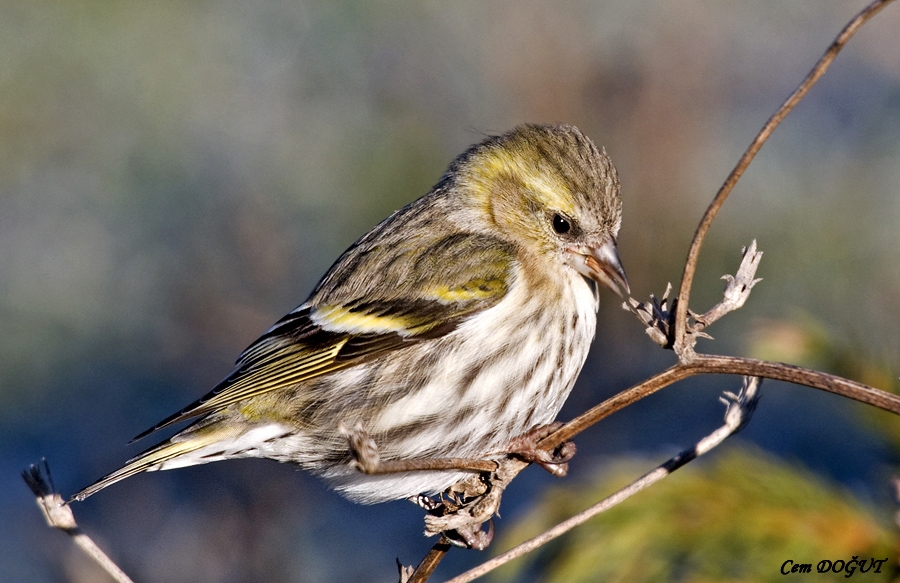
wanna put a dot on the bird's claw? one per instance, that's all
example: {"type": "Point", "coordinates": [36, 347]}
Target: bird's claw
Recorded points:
{"type": "Point", "coordinates": [555, 461]}
{"type": "Point", "coordinates": [459, 517]}
{"type": "Point", "coordinates": [471, 536]}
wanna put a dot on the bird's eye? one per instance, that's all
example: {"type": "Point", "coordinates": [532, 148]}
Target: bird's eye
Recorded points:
{"type": "Point", "coordinates": [561, 224]}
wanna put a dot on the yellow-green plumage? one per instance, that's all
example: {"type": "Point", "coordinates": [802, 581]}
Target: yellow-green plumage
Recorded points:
{"type": "Point", "coordinates": [458, 323]}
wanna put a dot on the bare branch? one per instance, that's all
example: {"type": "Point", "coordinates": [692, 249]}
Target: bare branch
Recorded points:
{"type": "Point", "coordinates": [658, 317]}
{"type": "Point", "coordinates": [737, 414]}
{"type": "Point", "coordinates": [368, 461]}
{"type": "Point", "coordinates": [712, 364]}
{"type": "Point", "coordinates": [428, 564]}
{"type": "Point", "coordinates": [59, 515]}
{"type": "Point", "coordinates": [682, 345]}
{"type": "Point", "coordinates": [737, 289]}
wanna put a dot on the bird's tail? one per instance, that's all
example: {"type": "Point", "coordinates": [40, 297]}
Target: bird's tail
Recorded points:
{"type": "Point", "coordinates": [171, 453]}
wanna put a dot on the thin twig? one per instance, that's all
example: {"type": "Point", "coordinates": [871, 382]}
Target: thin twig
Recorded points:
{"type": "Point", "coordinates": [683, 347]}
{"type": "Point", "coordinates": [740, 409]}
{"type": "Point", "coordinates": [658, 317]}
{"type": "Point", "coordinates": [737, 290]}
{"type": "Point", "coordinates": [59, 515]}
{"type": "Point", "coordinates": [712, 364]}
{"type": "Point", "coordinates": [430, 464]}
{"type": "Point", "coordinates": [368, 460]}
{"type": "Point", "coordinates": [430, 562]}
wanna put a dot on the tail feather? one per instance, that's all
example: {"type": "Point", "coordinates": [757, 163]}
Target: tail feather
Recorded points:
{"type": "Point", "coordinates": [153, 459]}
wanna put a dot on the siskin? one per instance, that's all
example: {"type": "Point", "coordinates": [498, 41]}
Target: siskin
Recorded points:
{"type": "Point", "coordinates": [456, 325]}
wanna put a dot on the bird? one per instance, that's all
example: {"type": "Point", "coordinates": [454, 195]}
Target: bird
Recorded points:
{"type": "Point", "coordinates": [455, 325]}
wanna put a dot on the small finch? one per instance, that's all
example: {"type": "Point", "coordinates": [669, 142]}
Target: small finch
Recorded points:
{"type": "Point", "coordinates": [456, 325]}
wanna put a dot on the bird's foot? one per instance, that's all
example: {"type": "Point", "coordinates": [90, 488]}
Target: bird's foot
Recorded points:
{"type": "Point", "coordinates": [461, 511]}
{"type": "Point", "coordinates": [556, 461]}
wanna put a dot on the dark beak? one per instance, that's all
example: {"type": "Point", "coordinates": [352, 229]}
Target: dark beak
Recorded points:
{"type": "Point", "coordinates": [601, 264]}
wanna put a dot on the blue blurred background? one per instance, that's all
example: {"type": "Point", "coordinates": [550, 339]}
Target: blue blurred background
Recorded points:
{"type": "Point", "coordinates": [175, 176]}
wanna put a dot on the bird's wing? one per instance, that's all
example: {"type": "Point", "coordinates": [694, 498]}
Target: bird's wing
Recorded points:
{"type": "Point", "coordinates": [456, 279]}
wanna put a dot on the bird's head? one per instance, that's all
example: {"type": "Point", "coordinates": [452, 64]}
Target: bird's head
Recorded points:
{"type": "Point", "coordinates": [549, 190]}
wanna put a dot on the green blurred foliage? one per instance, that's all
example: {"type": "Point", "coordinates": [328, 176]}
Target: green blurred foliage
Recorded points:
{"type": "Point", "coordinates": [737, 518]}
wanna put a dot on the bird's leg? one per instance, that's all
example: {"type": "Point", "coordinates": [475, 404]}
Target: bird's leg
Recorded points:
{"type": "Point", "coordinates": [555, 462]}
{"type": "Point", "coordinates": [467, 505]}
{"type": "Point", "coordinates": [463, 508]}
{"type": "Point", "coordinates": [366, 458]}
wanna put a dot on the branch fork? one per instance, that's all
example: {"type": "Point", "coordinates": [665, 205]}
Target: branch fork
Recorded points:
{"type": "Point", "coordinates": [659, 319]}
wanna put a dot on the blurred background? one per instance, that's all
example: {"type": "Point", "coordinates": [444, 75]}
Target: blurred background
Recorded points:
{"type": "Point", "coordinates": [176, 176]}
